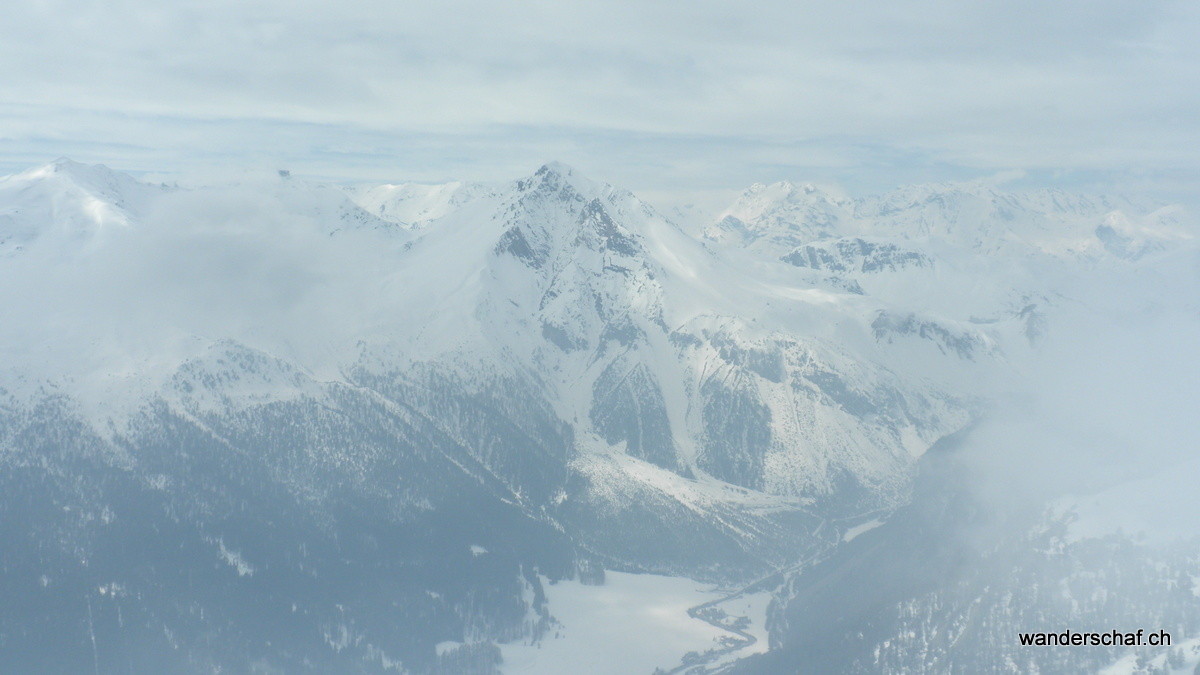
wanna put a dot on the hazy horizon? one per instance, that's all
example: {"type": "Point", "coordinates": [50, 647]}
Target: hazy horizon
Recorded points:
{"type": "Point", "coordinates": [1096, 97]}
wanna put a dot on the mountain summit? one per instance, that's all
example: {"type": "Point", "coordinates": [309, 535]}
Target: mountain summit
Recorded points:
{"type": "Point", "coordinates": [67, 204]}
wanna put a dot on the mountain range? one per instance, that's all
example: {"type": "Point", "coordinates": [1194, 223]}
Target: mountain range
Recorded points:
{"type": "Point", "coordinates": [280, 425]}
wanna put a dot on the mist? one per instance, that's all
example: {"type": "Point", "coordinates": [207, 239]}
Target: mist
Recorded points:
{"type": "Point", "coordinates": [810, 428]}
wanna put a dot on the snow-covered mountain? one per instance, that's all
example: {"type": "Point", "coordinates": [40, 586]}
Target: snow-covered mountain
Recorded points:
{"type": "Point", "coordinates": [781, 216]}
{"type": "Point", "coordinates": [414, 205]}
{"type": "Point", "coordinates": [383, 419]}
{"type": "Point", "coordinates": [73, 204]}
{"type": "Point", "coordinates": [774, 220]}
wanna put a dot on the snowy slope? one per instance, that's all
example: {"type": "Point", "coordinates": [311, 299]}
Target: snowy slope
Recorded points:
{"type": "Point", "coordinates": [778, 217]}
{"type": "Point", "coordinates": [620, 315]}
{"type": "Point", "coordinates": [549, 369]}
{"type": "Point", "coordinates": [773, 220]}
{"type": "Point", "coordinates": [68, 205]}
{"type": "Point", "coordinates": [709, 364]}
{"type": "Point", "coordinates": [414, 205]}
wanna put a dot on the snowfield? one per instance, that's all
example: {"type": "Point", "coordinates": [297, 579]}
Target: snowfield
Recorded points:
{"type": "Point", "coordinates": [399, 426]}
{"type": "Point", "coordinates": [633, 623]}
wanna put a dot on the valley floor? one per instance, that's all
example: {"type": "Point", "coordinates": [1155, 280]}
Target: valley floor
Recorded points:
{"type": "Point", "coordinates": [635, 623]}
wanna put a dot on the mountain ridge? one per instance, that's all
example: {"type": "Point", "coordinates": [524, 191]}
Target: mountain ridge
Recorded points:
{"type": "Point", "coordinates": [549, 370]}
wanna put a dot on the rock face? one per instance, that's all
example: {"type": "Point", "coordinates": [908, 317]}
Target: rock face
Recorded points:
{"type": "Point", "coordinates": [336, 430]}
{"type": "Point", "coordinates": [855, 255]}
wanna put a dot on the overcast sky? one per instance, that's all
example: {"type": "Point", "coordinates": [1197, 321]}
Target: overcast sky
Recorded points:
{"type": "Point", "coordinates": [650, 95]}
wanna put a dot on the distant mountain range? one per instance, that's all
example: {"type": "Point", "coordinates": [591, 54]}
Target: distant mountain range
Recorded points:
{"type": "Point", "coordinates": [282, 426]}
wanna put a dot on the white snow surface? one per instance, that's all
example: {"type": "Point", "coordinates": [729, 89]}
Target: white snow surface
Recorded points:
{"type": "Point", "coordinates": [853, 532]}
{"type": "Point", "coordinates": [633, 623]}
{"type": "Point", "coordinates": [415, 205]}
{"type": "Point", "coordinates": [68, 206]}
{"type": "Point", "coordinates": [109, 287]}
{"type": "Point", "coordinates": [1158, 509]}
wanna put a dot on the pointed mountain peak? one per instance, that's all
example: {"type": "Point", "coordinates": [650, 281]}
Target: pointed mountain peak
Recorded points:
{"type": "Point", "coordinates": [556, 211]}
{"type": "Point", "coordinates": [787, 191]}
{"type": "Point", "coordinates": [783, 201]}
{"type": "Point", "coordinates": [556, 177]}
{"type": "Point", "coordinates": [68, 166]}
{"type": "Point", "coordinates": [780, 216]}
{"type": "Point", "coordinates": [94, 178]}
{"type": "Point", "coordinates": [415, 205]}
{"type": "Point", "coordinates": [61, 166]}
{"type": "Point", "coordinates": [65, 164]}
{"type": "Point", "coordinates": [556, 174]}
{"type": "Point", "coordinates": [782, 186]}
{"type": "Point", "coordinates": [72, 203]}
{"type": "Point", "coordinates": [555, 167]}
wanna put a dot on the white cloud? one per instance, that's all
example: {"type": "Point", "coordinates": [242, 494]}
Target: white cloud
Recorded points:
{"type": "Point", "coordinates": [717, 90]}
